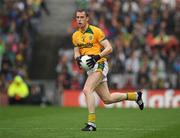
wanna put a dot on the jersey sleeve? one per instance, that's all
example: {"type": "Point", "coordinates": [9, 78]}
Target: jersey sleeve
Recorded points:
{"type": "Point", "coordinates": [74, 40]}
{"type": "Point", "coordinates": [100, 35]}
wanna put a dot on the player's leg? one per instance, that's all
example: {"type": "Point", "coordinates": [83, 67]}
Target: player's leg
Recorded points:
{"type": "Point", "coordinates": [92, 81]}
{"type": "Point", "coordinates": [108, 98]}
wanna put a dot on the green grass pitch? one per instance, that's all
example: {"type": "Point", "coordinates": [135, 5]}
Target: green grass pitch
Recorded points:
{"type": "Point", "coordinates": [57, 122]}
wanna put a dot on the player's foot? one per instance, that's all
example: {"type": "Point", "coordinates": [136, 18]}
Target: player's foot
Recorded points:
{"type": "Point", "coordinates": [89, 127]}
{"type": "Point", "coordinates": [139, 100]}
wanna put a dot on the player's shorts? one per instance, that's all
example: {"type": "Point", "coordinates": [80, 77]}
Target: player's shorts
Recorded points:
{"type": "Point", "coordinates": [101, 67]}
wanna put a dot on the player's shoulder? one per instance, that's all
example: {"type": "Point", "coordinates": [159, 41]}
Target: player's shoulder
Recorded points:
{"type": "Point", "coordinates": [75, 33]}
{"type": "Point", "coordinates": [95, 28]}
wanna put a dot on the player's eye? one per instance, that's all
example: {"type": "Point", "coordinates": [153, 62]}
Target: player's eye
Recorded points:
{"type": "Point", "coordinates": [79, 17]}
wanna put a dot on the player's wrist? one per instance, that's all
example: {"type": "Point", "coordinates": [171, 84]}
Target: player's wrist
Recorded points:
{"type": "Point", "coordinates": [97, 57]}
{"type": "Point", "coordinates": [100, 55]}
{"type": "Point", "coordinates": [78, 60]}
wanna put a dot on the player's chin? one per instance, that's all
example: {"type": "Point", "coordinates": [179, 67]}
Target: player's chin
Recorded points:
{"type": "Point", "coordinates": [79, 25]}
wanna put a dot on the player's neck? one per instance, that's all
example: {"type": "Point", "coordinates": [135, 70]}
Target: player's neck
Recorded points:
{"type": "Point", "coordinates": [83, 29]}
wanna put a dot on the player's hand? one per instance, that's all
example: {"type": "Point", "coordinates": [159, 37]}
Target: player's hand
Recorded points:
{"type": "Point", "coordinates": [78, 60]}
{"type": "Point", "coordinates": [92, 61]}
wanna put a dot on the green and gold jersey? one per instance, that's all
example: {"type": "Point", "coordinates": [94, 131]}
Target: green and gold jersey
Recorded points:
{"type": "Point", "coordinates": [89, 41]}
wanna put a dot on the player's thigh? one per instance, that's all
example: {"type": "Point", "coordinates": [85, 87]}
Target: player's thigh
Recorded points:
{"type": "Point", "coordinates": [103, 91]}
{"type": "Point", "coordinates": [93, 80]}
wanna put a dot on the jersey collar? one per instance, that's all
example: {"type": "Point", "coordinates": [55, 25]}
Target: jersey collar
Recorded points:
{"type": "Point", "coordinates": [88, 30]}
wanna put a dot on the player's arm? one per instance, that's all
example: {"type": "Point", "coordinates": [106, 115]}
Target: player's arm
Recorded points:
{"type": "Point", "coordinates": [76, 52]}
{"type": "Point", "coordinates": [77, 56]}
{"type": "Point", "coordinates": [106, 51]}
{"type": "Point", "coordinates": [107, 48]}
{"type": "Point", "coordinates": [76, 48]}
{"type": "Point", "coordinates": [100, 36]}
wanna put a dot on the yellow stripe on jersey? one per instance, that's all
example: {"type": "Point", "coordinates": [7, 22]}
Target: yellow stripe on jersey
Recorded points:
{"type": "Point", "coordinates": [89, 41]}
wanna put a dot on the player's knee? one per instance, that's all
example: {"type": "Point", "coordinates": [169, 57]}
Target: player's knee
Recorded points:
{"type": "Point", "coordinates": [86, 91]}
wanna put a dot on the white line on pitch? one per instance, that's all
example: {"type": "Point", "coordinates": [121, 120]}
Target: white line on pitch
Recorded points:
{"type": "Point", "coordinates": [118, 129]}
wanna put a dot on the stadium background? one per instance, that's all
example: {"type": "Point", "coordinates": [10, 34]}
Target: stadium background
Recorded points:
{"type": "Point", "coordinates": [35, 43]}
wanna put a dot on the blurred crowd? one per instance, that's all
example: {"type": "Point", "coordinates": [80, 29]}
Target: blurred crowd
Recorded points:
{"type": "Point", "coordinates": [145, 35]}
{"type": "Point", "coordinates": [19, 26]}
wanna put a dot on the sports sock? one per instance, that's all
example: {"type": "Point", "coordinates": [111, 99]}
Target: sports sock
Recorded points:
{"type": "Point", "coordinates": [92, 117]}
{"type": "Point", "coordinates": [132, 96]}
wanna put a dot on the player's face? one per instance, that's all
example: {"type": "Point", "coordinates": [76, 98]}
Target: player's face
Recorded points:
{"type": "Point", "coordinates": [81, 19]}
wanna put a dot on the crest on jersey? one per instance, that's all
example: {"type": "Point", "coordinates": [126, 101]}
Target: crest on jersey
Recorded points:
{"type": "Point", "coordinates": [90, 37]}
{"type": "Point", "coordinates": [83, 38]}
